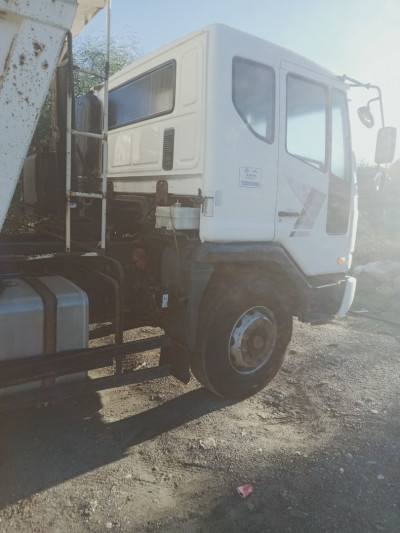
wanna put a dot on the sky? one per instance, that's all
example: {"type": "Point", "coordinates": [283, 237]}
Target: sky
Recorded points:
{"type": "Point", "coordinates": [360, 38]}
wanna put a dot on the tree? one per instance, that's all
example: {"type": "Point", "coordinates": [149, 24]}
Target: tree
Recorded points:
{"type": "Point", "coordinates": [89, 53]}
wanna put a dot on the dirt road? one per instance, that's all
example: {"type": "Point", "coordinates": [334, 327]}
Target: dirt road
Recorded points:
{"type": "Point", "coordinates": [320, 445]}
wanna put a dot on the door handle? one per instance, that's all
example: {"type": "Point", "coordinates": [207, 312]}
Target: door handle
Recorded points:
{"type": "Point", "coordinates": [288, 214]}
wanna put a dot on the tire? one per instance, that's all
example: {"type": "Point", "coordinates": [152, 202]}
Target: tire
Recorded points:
{"type": "Point", "coordinates": [244, 330]}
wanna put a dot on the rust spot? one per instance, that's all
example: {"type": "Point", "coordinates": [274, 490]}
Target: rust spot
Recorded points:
{"type": "Point", "coordinates": [38, 48]}
{"type": "Point", "coordinates": [45, 65]}
{"type": "Point", "coordinates": [22, 60]}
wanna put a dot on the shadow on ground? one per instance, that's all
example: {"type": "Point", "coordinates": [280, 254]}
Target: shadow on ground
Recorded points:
{"type": "Point", "coordinates": [40, 448]}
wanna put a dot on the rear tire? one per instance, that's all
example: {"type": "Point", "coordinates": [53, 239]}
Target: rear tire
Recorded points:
{"type": "Point", "coordinates": [244, 330]}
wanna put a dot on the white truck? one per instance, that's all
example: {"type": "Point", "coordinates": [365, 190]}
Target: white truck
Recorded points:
{"type": "Point", "coordinates": [229, 207]}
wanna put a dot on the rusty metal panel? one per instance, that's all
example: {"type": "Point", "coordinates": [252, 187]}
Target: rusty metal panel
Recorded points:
{"type": "Point", "coordinates": [31, 36]}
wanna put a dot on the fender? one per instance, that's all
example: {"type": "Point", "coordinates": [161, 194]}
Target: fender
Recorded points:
{"type": "Point", "coordinates": [186, 276]}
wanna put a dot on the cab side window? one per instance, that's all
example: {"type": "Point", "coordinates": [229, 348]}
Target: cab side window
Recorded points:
{"type": "Point", "coordinates": [340, 153]}
{"type": "Point", "coordinates": [253, 95]}
{"type": "Point", "coordinates": [149, 95]}
{"type": "Point", "coordinates": [306, 121]}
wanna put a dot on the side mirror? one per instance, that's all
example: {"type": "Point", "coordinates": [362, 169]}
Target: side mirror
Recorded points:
{"type": "Point", "coordinates": [366, 117]}
{"type": "Point", "coordinates": [385, 145]}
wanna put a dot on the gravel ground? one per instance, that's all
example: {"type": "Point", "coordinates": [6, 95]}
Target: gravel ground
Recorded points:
{"type": "Point", "coordinates": [320, 445]}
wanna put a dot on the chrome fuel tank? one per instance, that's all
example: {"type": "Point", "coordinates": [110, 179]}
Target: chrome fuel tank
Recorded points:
{"type": "Point", "coordinates": [26, 322]}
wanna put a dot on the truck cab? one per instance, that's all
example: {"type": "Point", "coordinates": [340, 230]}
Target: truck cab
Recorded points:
{"type": "Point", "coordinates": [261, 134]}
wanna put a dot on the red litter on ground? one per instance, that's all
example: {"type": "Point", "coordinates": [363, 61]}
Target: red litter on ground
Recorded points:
{"type": "Point", "coordinates": [245, 490]}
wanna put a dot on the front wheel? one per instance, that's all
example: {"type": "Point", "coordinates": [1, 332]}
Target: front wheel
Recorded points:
{"type": "Point", "coordinates": [244, 330]}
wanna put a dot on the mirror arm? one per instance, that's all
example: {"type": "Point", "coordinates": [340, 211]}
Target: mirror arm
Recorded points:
{"type": "Point", "coordinates": [379, 97]}
{"type": "Point", "coordinates": [356, 83]}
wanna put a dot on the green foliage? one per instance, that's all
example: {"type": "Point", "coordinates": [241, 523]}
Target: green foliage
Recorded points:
{"type": "Point", "coordinates": [89, 53]}
{"type": "Point", "coordinates": [379, 223]}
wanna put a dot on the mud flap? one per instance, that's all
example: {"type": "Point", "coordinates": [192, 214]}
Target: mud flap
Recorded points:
{"type": "Point", "coordinates": [177, 358]}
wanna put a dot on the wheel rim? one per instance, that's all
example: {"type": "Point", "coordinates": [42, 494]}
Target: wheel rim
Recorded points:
{"type": "Point", "coordinates": [252, 340]}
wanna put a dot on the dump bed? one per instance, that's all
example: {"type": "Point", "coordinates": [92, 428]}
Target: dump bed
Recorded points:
{"type": "Point", "coordinates": [31, 37]}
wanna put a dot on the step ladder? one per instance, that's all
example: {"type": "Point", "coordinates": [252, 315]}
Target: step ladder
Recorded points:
{"type": "Point", "coordinates": [102, 137]}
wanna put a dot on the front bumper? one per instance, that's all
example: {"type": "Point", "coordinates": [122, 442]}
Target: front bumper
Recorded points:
{"type": "Point", "coordinates": [321, 303]}
{"type": "Point", "coordinates": [348, 296]}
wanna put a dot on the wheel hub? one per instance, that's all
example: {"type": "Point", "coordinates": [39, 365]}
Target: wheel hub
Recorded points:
{"type": "Point", "coordinates": [252, 340]}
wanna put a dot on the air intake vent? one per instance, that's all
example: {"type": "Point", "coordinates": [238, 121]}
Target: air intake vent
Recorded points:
{"type": "Point", "coordinates": [168, 149]}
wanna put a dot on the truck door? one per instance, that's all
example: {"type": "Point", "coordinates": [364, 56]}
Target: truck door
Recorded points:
{"type": "Point", "coordinates": [314, 173]}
